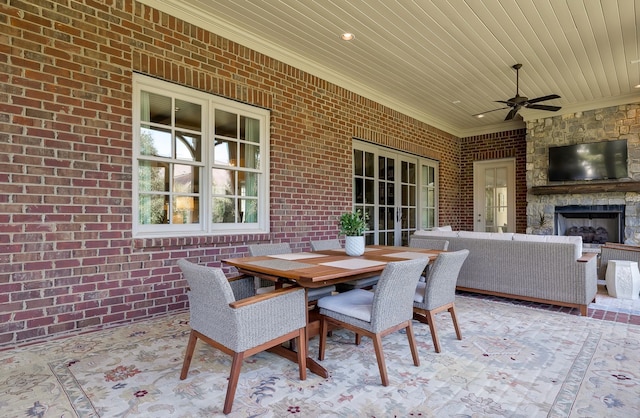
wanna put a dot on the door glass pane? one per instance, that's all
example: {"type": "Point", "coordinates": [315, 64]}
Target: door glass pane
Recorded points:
{"type": "Point", "coordinates": [369, 164]}
{"type": "Point", "coordinates": [358, 164]}
{"type": "Point", "coordinates": [490, 192]}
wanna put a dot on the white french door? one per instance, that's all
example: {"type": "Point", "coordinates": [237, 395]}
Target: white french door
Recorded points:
{"type": "Point", "coordinates": [396, 190]}
{"type": "Point", "coordinates": [494, 195]}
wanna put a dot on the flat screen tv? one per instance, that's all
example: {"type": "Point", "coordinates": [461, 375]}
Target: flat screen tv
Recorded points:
{"type": "Point", "coordinates": [604, 160]}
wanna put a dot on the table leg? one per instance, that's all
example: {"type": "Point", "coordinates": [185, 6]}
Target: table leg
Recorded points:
{"type": "Point", "coordinates": [313, 329]}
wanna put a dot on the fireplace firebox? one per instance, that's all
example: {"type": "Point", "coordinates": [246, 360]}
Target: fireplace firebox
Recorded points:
{"type": "Point", "coordinates": [596, 224]}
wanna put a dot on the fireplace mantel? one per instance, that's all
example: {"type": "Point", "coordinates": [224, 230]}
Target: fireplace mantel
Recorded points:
{"type": "Point", "coordinates": [582, 188]}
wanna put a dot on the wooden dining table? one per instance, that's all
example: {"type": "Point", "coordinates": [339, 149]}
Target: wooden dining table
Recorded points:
{"type": "Point", "coordinates": [323, 268]}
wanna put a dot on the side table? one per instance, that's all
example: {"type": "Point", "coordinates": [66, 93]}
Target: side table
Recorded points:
{"type": "Point", "coordinates": [623, 279]}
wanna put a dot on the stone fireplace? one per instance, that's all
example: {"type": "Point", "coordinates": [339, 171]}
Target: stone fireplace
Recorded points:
{"type": "Point", "coordinates": [587, 208]}
{"type": "Point", "coordinates": [596, 224]}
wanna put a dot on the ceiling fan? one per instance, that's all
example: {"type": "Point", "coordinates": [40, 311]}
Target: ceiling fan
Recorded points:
{"type": "Point", "coordinates": [518, 102]}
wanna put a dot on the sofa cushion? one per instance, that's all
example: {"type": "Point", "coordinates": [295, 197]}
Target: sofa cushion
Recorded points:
{"type": "Point", "coordinates": [506, 236]}
{"type": "Point", "coordinates": [575, 240]}
{"type": "Point", "coordinates": [437, 233]}
{"type": "Point", "coordinates": [442, 228]}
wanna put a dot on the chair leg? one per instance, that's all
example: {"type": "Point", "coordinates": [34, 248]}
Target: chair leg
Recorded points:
{"type": "Point", "coordinates": [236, 365]}
{"type": "Point", "coordinates": [412, 344]}
{"type": "Point", "coordinates": [358, 339]}
{"type": "Point", "coordinates": [452, 310]}
{"type": "Point", "coordinates": [431, 317]}
{"type": "Point", "coordinates": [302, 353]}
{"type": "Point", "coordinates": [323, 338]}
{"type": "Point", "coordinates": [377, 344]}
{"type": "Point", "coordinates": [188, 355]}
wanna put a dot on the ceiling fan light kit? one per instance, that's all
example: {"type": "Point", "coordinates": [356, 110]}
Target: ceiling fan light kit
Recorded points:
{"type": "Point", "coordinates": [518, 102]}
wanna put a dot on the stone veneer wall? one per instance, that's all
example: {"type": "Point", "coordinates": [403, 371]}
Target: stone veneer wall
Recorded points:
{"type": "Point", "coordinates": [611, 123]}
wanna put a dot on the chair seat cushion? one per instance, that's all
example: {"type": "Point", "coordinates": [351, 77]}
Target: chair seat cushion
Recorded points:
{"type": "Point", "coordinates": [419, 295]}
{"type": "Point", "coordinates": [358, 284]}
{"type": "Point", "coordinates": [320, 292]}
{"type": "Point", "coordinates": [356, 303]}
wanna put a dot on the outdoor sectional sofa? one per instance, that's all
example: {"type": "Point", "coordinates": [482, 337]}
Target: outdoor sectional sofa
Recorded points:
{"type": "Point", "coordinates": [542, 268]}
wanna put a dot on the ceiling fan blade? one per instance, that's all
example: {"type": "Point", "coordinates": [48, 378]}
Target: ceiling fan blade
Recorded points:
{"type": "Point", "coordinates": [544, 107]}
{"type": "Point", "coordinates": [543, 98]}
{"type": "Point", "coordinates": [506, 102]}
{"type": "Point", "coordinates": [489, 111]}
{"type": "Point", "coordinates": [512, 113]}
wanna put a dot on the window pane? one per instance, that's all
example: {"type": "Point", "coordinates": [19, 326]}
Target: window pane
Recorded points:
{"type": "Point", "coordinates": [248, 210]}
{"type": "Point", "coordinates": [249, 156]}
{"type": "Point", "coordinates": [188, 147]}
{"type": "Point", "coordinates": [186, 178]}
{"type": "Point", "coordinates": [226, 124]}
{"type": "Point", "coordinates": [249, 129]}
{"type": "Point", "coordinates": [155, 108]}
{"type": "Point", "coordinates": [223, 210]}
{"type": "Point", "coordinates": [248, 184]}
{"type": "Point", "coordinates": [155, 142]}
{"type": "Point", "coordinates": [185, 210]}
{"type": "Point", "coordinates": [221, 182]}
{"type": "Point", "coordinates": [153, 209]}
{"type": "Point", "coordinates": [188, 115]}
{"type": "Point", "coordinates": [226, 153]}
{"type": "Point", "coordinates": [153, 176]}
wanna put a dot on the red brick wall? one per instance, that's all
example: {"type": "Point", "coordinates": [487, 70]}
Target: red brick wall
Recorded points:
{"type": "Point", "coordinates": [508, 144]}
{"type": "Point", "coordinates": [68, 259]}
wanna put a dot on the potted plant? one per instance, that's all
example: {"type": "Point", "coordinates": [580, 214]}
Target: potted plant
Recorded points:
{"type": "Point", "coordinates": [542, 226]}
{"type": "Point", "coordinates": [353, 225]}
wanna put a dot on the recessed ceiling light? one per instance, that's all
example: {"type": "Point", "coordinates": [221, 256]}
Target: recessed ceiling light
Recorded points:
{"type": "Point", "coordinates": [637, 86]}
{"type": "Point", "coordinates": [347, 36]}
{"type": "Point", "coordinates": [480, 116]}
{"type": "Point", "coordinates": [456, 102]}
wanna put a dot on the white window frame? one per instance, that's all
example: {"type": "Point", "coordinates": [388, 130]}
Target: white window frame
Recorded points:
{"type": "Point", "coordinates": [421, 188]}
{"type": "Point", "coordinates": [209, 103]}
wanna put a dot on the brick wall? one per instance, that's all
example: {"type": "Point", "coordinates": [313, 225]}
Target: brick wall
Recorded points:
{"type": "Point", "coordinates": [508, 144]}
{"type": "Point", "coordinates": [68, 260]}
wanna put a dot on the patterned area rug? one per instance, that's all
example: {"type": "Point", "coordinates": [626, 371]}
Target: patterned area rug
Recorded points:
{"type": "Point", "coordinates": [512, 362]}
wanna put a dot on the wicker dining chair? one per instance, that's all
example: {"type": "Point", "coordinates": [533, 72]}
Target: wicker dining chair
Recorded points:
{"type": "Point", "coordinates": [326, 244]}
{"type": "Point", "coordinates": [376, 313]}
{"type": "Point", "coordinates": [230, 317]}
{"type": "Point", "coordinates": [438, 292]}
{"type": "Point", "coordinates": [429, 244]}
{"type": "Point", "coordinates": [313, 294]}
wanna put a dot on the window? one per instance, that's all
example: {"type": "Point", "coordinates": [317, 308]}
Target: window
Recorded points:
{"type": "Point", "coordinates": [200, 162]}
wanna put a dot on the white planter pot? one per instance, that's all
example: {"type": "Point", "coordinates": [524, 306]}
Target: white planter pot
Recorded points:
{"type": "Point", "coordinates": [354, 245]}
